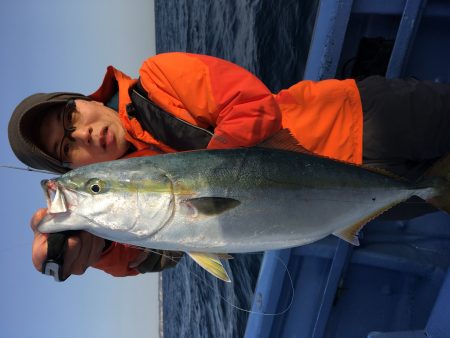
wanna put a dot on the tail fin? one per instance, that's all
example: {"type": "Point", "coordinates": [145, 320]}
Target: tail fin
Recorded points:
{"type": "Point", "coordinates": [440, 174]}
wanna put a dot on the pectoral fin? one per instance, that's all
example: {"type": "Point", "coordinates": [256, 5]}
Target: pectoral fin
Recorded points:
{"type": "Point", "coordinates": [211, 263]}
{"type": "Point", "coordinates": [210, 206]}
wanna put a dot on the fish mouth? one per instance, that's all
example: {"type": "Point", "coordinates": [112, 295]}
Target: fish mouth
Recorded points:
{"type": "Point", "coordinates": [56, 200]}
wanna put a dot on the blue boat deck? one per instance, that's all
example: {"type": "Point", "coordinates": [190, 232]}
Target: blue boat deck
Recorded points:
{"type": "Point", "coordinates": [397, 282]}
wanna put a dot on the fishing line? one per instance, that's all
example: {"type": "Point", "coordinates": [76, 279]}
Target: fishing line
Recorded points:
{"type": "Point", "coordinates": [229, 301]}
{"type": "Point", "coordinates": [26, 169]}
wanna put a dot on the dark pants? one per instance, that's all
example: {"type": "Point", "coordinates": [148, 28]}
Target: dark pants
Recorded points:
{"type": "Point", "coordinates": [406, 129]}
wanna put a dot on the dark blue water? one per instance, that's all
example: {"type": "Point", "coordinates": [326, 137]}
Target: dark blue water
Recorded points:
{"type": "Point", "coordinates": [271, 39]}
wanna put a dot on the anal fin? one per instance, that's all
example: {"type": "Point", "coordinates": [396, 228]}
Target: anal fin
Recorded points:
{"type": "Point", "coordinates": [350, 233]}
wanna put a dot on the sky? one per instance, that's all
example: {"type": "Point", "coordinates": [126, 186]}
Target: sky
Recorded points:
{"type": "Point", "coordinates": [56, 45]}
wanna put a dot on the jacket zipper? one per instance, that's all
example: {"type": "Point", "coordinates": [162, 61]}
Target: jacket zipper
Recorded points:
{"type": "Point", "coordinates": [175, 117]}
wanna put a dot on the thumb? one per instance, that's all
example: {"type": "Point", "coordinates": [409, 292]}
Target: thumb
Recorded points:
{"type": "Point", "coordinates": [39, 250]}
{"type": "Point", "coordinates": [37, 217]}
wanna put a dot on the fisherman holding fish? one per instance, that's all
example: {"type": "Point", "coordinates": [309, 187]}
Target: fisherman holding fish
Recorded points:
{"type": "Point", "coordinates": [186, 101]}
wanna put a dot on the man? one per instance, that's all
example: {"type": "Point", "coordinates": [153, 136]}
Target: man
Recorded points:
{"type": "Point", "coordinates": [197, 101]}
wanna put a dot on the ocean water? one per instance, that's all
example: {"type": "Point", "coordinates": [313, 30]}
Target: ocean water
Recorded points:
{"type": "Point", "coordinates": [271, 39]}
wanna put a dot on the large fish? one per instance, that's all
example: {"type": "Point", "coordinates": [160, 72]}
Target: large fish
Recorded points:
{"type": "Point", "coordinates": [209, 202]}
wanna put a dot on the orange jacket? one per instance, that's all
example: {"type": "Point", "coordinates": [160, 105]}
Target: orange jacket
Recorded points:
{"type": "Point", "coordinates": [325, 116]}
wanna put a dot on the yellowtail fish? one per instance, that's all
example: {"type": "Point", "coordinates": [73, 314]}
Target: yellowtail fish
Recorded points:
{"type": "Point", "coordinates": [210, 202]}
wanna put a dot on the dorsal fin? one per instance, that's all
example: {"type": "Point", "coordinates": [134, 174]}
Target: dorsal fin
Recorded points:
{"type": "Point", "coordinates": [383, 172]}
{"type": "Point", "coordinates": [283, 140]}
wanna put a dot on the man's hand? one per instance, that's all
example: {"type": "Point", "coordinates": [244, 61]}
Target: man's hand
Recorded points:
{"type": "Point", "coordinates": [83, 249]}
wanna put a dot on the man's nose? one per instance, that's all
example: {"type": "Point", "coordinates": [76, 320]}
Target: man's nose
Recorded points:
{"type": "Point", "coordinates": [83, 135]}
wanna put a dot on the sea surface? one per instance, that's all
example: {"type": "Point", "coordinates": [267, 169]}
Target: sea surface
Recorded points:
{"type": "Point", "coordinates": [271, 39]}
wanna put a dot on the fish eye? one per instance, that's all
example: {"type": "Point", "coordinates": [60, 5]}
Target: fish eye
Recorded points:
{"type": "Point", "coordinates": [95, 186]}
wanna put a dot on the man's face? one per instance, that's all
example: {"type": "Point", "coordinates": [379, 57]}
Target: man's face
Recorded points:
{"type": "Point", "coordinates": [98, 135]}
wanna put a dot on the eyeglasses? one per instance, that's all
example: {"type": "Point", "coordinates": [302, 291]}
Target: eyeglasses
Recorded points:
{"type": "Point", "coordinates": [67, 118]}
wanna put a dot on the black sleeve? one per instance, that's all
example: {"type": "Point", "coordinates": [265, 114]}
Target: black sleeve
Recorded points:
{"type": "Point", "coordinates": [159, 260]}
